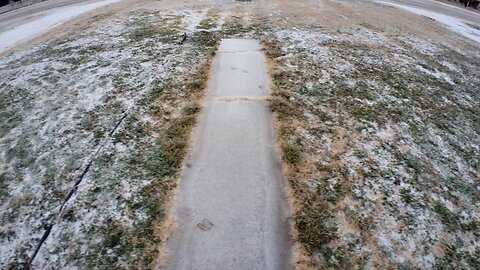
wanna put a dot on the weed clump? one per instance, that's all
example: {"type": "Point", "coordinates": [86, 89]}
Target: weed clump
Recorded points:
{"type": "Point", "coordinates": [292, 153]}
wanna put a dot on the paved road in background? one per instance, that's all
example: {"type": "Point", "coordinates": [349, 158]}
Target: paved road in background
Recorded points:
{"type": "Point", "coordinates": [30, 10]}
{"type": "Point", "coordinates": [442, 8]}
{"type": "Point", "coordinates": [35, 20]}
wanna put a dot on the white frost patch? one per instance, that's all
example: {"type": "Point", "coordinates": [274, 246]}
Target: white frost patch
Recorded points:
{"type": "Point", "coordinates": [450, 66]}
{"type": "Point", "coordinates": [303, 39]}
{"type": "Point", "coordinates": [92, 98]}
{"type": "Point", "coordinates": [387, 134]}
{"type": "Point", "coordinates": [437, 74]}
{"type": "Point", "coordinates": [421, 45]}
{"type": "Point", "coordinates": [451, 23]}
{"type": "Point", "coordinates": [221, 20]}
{"type": "Point", "coordinates": [193, 19]}
{"type": "Point", "coordinates": [34, 28]}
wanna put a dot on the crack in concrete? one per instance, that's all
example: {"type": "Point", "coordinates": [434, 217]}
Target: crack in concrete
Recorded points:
{"type": "Point", "coordinates": [266, 99]}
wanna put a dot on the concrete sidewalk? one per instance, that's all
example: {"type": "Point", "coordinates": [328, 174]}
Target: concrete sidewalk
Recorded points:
{"type": "Point", "coordinates": [231, 211]}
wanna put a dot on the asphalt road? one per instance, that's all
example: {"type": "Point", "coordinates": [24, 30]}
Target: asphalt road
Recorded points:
{"type": "Point", "coordinates": [31, 10]}
{"type": "Point", "coordinates": [231, 210]}
{"type": "Point", "coordinates": [442, 8]}
{"type": "Point", "coordinates": [27, 26]}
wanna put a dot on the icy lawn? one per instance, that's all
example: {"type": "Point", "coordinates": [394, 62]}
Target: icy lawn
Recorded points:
{"type": "Point", "coordinates": [382, 137]}
{"type": "Point", "coordinates": [108, 109]}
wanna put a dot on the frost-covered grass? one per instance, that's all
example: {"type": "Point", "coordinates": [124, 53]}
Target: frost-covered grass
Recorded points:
{"type": "Point", "coordinates": [381, 136]}
{"type": "Point", "coordinates": [123, 95]}
{"type": "Point", "coordinates": [111, 106]}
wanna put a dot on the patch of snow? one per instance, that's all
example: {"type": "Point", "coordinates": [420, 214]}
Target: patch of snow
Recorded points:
{"type": "Point", "coordinates": [386, 134]}
{"type": "Point", "coordinates": [303, 39]}
{"type": "Point", "coordinates": [437, 74]}
{"type": "Point", "coordinates": [222, 18]}
{"type": "Point", "coordinates": [450, 66]}
{"type": "Point", "coordinates": [421, 45]}
{"type": "Point", "coordinates": [193, 19]}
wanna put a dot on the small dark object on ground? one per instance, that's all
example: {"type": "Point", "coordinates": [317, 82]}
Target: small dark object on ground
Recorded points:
{"type": "Point", "coordinates": [205, 225]}
{"type": "Point", "coordinates": [184, 37]}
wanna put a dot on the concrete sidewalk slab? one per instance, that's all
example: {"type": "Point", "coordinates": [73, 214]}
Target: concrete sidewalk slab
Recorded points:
{"type": "Point", "coordinates": [239, 76]}
{"type": "Point", "coordinates": [231, 210]}
{"type": "Point", "coordinates": [239, 45]}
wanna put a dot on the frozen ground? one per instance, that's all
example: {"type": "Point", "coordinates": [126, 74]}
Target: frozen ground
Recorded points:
{"type": "Point", "coordinates": [381, 135]}
{"type": "Point", "coordinates": [383, 140]}
{"type": "Point", "coordinates": [104, 112]}
{"type": "Point", "coordinates": [455, 25]}
{"type": "Point", "coordinates": [378, 124]}
{"type": "Point", "coordinates": [57, 16]}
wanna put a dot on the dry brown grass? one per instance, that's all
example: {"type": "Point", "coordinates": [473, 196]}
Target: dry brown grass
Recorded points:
{"type": "Point", "coordinates": [177, 139]}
